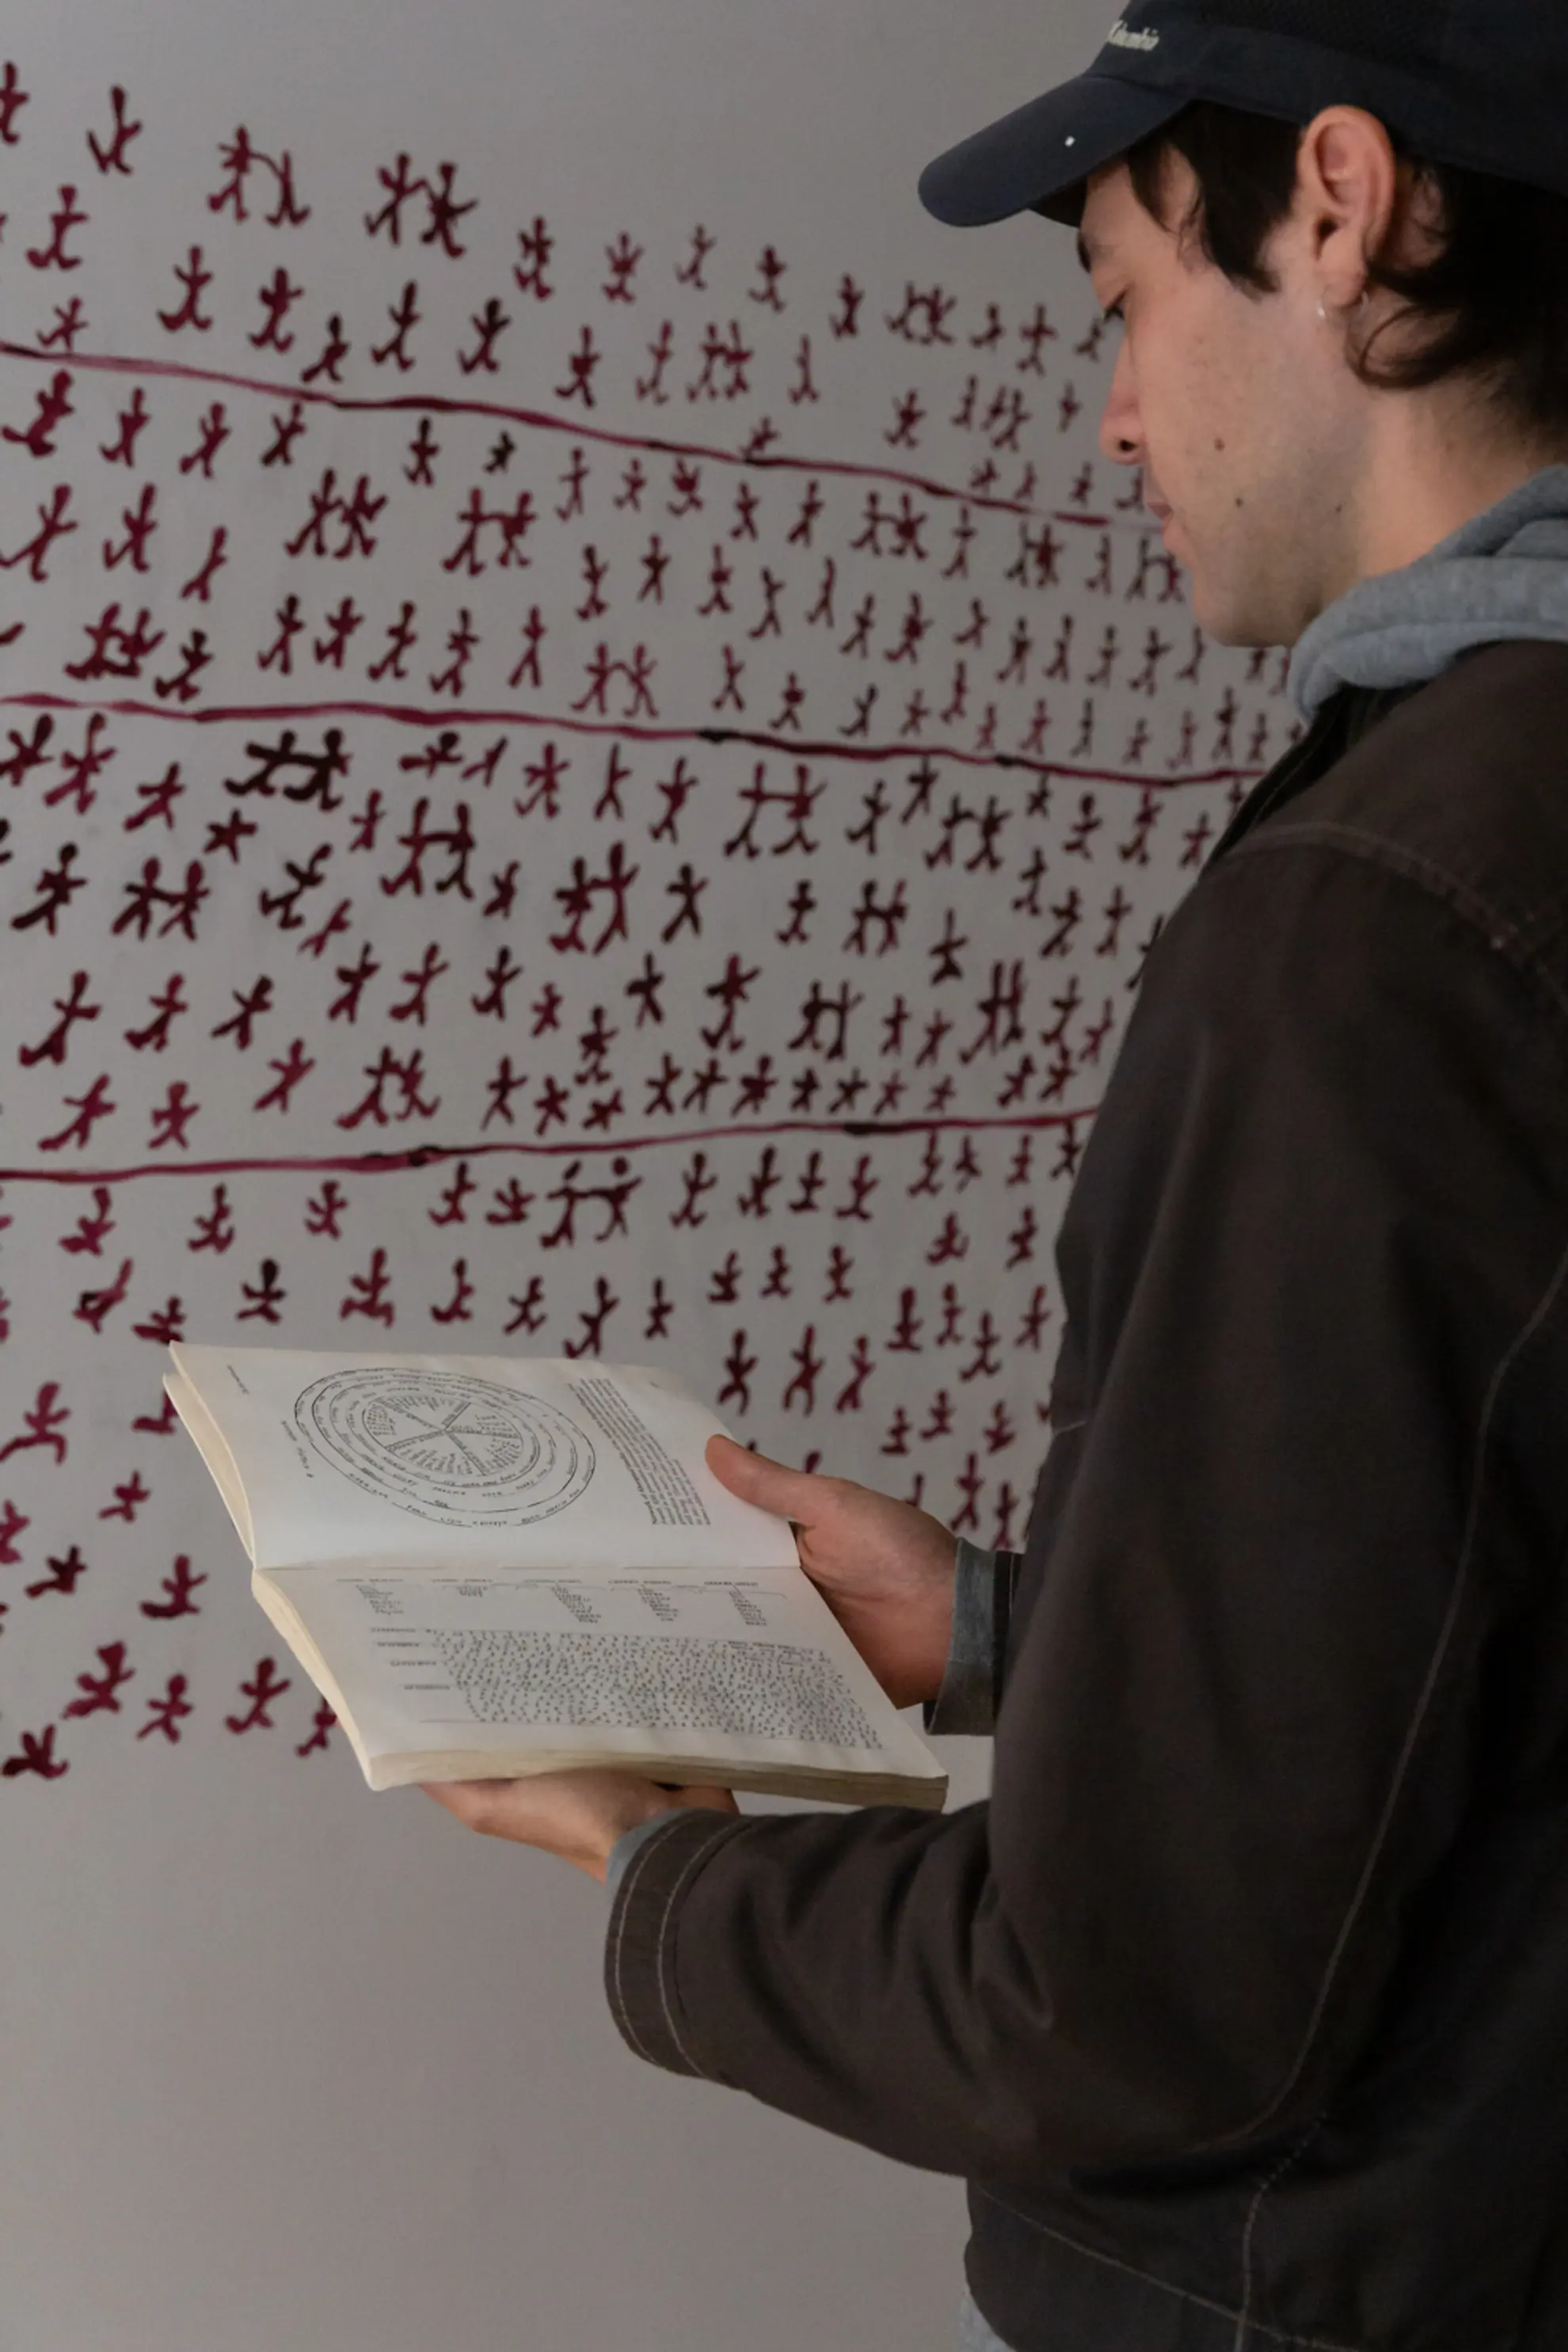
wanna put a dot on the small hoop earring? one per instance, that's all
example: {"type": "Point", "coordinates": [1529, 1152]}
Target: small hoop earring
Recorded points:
{"type": "Point", "coordinates": [1362, 299]}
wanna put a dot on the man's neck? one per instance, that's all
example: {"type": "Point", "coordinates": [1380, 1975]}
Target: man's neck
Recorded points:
{"type": "Point", "coordinates": [1432, 472]}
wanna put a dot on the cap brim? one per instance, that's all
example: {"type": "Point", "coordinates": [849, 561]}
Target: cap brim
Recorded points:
{"type": "Point", "coordinates": [1037, 158]}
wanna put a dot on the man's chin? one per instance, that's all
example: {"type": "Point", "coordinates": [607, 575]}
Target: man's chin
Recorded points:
{"type": "Point", "coordinates": [1223, 620]}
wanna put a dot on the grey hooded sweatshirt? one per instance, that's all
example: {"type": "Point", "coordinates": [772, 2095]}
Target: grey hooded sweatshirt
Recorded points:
{"type": "Point", "coordinates": [1503, 574]}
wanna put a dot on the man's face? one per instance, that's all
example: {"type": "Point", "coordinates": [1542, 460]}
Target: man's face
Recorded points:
{"type": "Point", "coordinates": [1238, 407]}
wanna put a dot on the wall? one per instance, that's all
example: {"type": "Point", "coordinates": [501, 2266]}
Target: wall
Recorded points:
{"type": "Point", "coordinates": [589, 754]}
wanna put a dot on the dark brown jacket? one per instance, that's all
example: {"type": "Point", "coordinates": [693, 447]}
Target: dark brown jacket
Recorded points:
{"type": "Point", "coordinates": [1242, 2006]}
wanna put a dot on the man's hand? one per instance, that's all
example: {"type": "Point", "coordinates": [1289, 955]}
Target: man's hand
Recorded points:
{"type": "Point", "coordinates": [577, 1815]}
{"type": "Point", "coordinates": [885, 1569]}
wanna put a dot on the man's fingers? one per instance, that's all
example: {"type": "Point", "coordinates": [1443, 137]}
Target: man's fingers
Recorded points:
{"type": "Point", "coordinates": [772, 1485]}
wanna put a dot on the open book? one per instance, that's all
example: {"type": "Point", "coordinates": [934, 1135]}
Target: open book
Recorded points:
{"type": "Point", "coordinates": [496, 1566]}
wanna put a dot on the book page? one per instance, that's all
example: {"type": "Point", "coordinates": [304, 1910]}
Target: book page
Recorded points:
{"type": "Point", "coordinates": [474, 1462]}
{"type": "Point", "coordinates": [743, 1667]}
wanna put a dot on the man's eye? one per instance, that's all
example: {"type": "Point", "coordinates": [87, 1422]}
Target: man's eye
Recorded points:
{"type": "Point", "coordinates": [1112, 317]}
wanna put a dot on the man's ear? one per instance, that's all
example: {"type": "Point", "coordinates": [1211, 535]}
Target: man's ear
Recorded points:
{"type": "Point", "coordinates": [1349, 192]}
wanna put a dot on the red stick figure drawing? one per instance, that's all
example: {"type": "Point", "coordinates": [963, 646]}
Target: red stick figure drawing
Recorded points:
{"type": "Point", "coordinates": [42, 1426]}
{"type": "Point", "coordinates": [621, 260]}
{"type": "Point", "coordinates": [178, 1588]}
{"type": "Point", "coordinates": [213, 432]}
{"type": "Point", "coordinates": [535, 247]}
{"type": "Point", "coordinates": [286, 431]}
{"type": "Point", "coordinates": [489, 325]}
{"type": "Point", "coordinates": [64, 1576]}
{"type": "Point", "coordinates": [321, 1723]}
{"type": "Point", "coordinates": [214, 1227]}
{"type": "Point", "coordinates": [100, 1692]}
{"type": "Point", "coordinates": [580, 367]}
{"type": "Point", "coordinates": [37, 1754]}
{"type": "Point", "coordinates": [277, 297]}
{"type": "Point", "coordinates": [691, 271]}
{"type": "Point", "coordinates": [167, 1714]}
{"type": "Point", "coordinates": [66, 217]}
{"type": "Point", "coordinates": [53, 524]}
{"type": "Point", "coordinates": [445, 212]}
{"type": "Point", "coordinates": [13, 99]}
{"type": "Point", "coordinates": [771, 273]}
{"type": "Point", "coordinates": [194, 276]}
{"type": "Point", "coordinates": [110, 154]}
{"type": "Point", "coordinates": [405, 314]}
{"type": "Point", "coordinates": [54, 405]}
{"type": "Point", "coordinates": [370, 1294]}
{"type": "Point", "coordinates": [324, 1211]}
{"type": "Point", "coordinates": [129, 1498]}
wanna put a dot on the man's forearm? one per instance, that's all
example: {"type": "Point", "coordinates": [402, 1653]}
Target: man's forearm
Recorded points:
{"type": "Point", "coordinates": [971, 1684]}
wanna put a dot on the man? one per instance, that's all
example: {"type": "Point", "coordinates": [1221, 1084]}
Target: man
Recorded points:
{"type": "Point", "coordinates": [1244, 2004]}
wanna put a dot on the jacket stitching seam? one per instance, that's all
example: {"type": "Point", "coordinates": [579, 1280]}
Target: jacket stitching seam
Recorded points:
{"type": "Point", "coordinates": [1423, 1705]}
{"type": "Point", "coordinates": [693, 1863]}
{"type": "Point", "coordinates": [1149, 2278]}
{"type": "Point", "coordinates": [1270, 2180]}
{"type": "Point", "coordinates": [619, 2003]}
{"type": "Point", "coordinates": [1504, 934]}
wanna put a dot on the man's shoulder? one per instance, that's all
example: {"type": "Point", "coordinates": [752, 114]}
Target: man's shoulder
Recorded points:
{"type": "Point", "coordinates": [1463, 787]}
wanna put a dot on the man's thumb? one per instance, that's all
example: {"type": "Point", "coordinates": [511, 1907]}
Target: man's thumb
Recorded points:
{"type": "Point", "coordinates": [772, 1485]}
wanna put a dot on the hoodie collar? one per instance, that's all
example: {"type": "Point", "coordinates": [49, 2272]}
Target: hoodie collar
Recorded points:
{"type": "Point", "coordinates": [1503, 574]}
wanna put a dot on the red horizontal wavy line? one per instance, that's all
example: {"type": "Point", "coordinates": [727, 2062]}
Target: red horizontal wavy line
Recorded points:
{"type": "Point", "coordinates": [441, 1155]}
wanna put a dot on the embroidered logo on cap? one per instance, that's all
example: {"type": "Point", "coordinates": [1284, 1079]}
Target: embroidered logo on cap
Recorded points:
{"type": "Point", "coordinates": [1121, 38]}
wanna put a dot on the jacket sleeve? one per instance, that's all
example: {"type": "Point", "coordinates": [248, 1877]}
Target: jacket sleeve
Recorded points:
{"type": "Point", "coordinates": [1313, 1265]}
{"type": "Point", "coordinates": [983, 1588]}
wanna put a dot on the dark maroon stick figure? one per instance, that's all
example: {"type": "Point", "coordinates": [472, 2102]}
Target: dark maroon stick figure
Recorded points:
{"type": "Point", "coordinates": [37, 1754]}
{"type": "Point", "coordinates": [489, 325]}
{"type": "Point", "coordinates": [622, 260]}
{"type": "Point", "coordinates": [70, 325]}
{"type": "Point", "coordinates": [110, 154]}
{"type": "Point", "coordinates": [66, 217]}
{"type": "Point", "coordinates": [91, 1232]}
{"type": "Point", "coordinates": [195, 277]}
{"type": "Point", "coordinates": [445, 212]}
{"type": "Point", "coordinates": [277, 299]}
{"type": "Point", "coordinates": [369, 1293]}
{"type": "Point", "coordinates": [42, 1426]}
{"type": "Point", "coordinates": [690, 272]}
{"type": "Point", "coordinates": [13, 99]}
{"type": "Point", "coordinates": [405, 314]}
{"type": "Point", "coordinates": [262, 1691]}
{"type": "Point", "coordinates": [581, 366]}
{"type": "Point", "coordinates": [321, 1723]}
{"type": "Point", "coordinates": [200, 582]}
{"type": "Point", "coordinates": [213, 430]}
{"type": "Point", "coordinates": [166, 1714]}
{"type": "Point", "coordinates": [535, 247]}
{"type": "Point", "coordinates": [54, 407]}
{"type": "Point", "coordinates": [100, 1692]}
{"type": "Point", "coordinates": [771, 272]}
{"type": "Point", "coordinates": [27, 756]}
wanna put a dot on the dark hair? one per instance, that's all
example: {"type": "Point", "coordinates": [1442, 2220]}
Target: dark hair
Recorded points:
{"type": "Point", "coordinates": [1492, 304]}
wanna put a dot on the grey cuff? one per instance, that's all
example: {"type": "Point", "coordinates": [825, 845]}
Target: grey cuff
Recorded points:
{"type": "Point", "coordinates": [626, 1845]}
{"type": "Point", "coordinates": [972, 1683]}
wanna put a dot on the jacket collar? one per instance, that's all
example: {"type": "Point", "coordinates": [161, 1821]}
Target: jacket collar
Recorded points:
{"type": "Point", "coordinates": [1339, 726]}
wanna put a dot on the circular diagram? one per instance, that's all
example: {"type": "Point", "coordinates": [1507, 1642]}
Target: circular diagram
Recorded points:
{"type": "Point", "coordinates": [447, 1446]}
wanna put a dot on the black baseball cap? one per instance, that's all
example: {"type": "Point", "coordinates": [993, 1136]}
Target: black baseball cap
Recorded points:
{"type": "Point", "coordinates": [1479, 83]}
